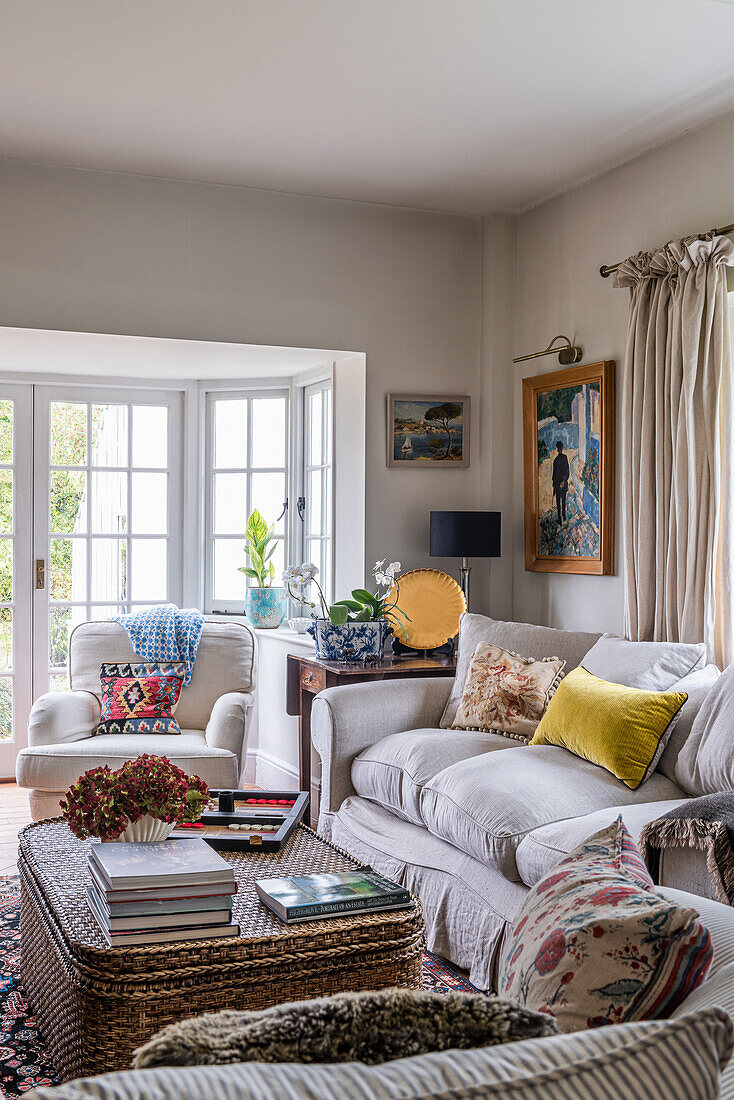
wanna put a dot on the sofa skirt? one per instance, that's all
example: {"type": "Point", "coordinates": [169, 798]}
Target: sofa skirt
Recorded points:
{"type": "Point", "coordinates": [466, 904]}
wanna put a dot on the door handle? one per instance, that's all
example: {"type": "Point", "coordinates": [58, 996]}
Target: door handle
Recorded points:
{"type": "Point", "coordinates": [40, 573]}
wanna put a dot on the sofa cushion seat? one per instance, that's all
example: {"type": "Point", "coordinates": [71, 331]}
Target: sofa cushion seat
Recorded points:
{"type": "Point", "coordinates": [56, 767]}
{"type": "Point", "coordinates": [393, 771]}
{"type": "Point", "coordinates": [539, 851]}
{"type": "Point", "coordinates": [487, 804]}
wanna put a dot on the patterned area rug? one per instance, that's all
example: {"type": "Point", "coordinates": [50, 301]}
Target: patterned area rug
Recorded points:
{"type": "Point", "coordinates": [24, 1061]}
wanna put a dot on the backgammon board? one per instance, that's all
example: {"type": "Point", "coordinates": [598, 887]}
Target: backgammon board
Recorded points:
{"type": "Point", "coordinates": [237, 821]}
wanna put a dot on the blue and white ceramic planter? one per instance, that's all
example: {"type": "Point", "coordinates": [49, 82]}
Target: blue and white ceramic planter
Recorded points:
{"type": "Point", "coordinates": [350, 642]}
{"type": "Point", "coordinates": [266, 607]}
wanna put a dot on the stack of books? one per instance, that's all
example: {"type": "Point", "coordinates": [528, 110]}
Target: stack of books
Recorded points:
{"type": "Point", "coordinates": [331, 894]}
{"type": "Point", "coordinates": [157, 893]}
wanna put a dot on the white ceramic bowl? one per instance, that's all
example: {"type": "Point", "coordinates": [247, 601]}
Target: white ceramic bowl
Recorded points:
{"type": "Point", "coordinates": [147, 830]}
{"type": "Point", "coordinates": [299, 625]}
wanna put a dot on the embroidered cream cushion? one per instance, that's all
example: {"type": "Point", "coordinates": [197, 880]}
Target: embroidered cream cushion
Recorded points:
{"type": "Point", "coordinates": [505, 693]}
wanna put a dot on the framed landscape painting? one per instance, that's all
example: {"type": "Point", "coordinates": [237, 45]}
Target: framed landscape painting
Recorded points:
{"type": "Point", "coordinates": [427, 431]}
{"type": "Point", "coordinates": [568, 442]}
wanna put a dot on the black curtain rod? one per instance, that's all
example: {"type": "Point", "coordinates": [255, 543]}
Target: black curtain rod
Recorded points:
{"type": "Point", "coordinates": [606, 269]}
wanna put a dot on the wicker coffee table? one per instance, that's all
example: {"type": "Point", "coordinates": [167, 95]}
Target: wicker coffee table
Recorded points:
{"type": "Point", "coordinates": [95, 1005]}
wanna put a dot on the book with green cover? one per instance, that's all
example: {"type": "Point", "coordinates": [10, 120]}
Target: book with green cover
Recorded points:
{"type": "Point", "coordinates": [331, 894]}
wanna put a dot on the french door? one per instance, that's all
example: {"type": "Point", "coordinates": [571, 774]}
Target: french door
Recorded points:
{"type": "Point", "coordinates": [91, 516]}
{"type": "Point", "coordinates": [16, 490]}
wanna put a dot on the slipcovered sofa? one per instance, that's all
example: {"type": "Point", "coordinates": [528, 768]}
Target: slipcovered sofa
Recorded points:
{"type": "Point", "coordinates": [213, 713]}
{"type": "Point", "coordinates": [470, 821]}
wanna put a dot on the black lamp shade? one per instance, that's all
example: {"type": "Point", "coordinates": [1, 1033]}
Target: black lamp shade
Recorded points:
{"type": "Point", "coordinates": [465, 535]}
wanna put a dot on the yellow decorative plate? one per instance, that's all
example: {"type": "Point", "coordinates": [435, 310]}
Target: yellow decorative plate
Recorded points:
{"type": "Point", "coordinates": [434, 602]}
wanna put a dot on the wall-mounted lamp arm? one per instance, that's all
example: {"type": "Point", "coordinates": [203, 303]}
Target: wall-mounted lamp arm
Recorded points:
{"type": "Point", "coordinates": [568, 353]}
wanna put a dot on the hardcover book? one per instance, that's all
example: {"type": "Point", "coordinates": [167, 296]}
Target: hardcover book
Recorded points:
{"type": "Point", "coordinates": [214, 892]}
{"type": "Point", "coordinates": [311, 897]}
{"type": "Point", "coordinates": [147, 921]}
{"type": "Point", "coordinates": [168, 863]}
{"type": "Point", "coordinates": [137, 937]}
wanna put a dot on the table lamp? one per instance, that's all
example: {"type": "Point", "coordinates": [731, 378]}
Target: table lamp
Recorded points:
{"type": "Point", "coordinates": [465, 535]}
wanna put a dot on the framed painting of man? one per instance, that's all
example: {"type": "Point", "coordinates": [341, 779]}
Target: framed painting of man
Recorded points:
{"type": "Point", "coordinates": [568, 442]}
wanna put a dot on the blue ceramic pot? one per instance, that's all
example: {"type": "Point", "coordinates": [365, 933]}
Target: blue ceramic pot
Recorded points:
{"type": "Point", "coordinates": [350, 642]}
{"type": "Point", "coordinates": [266, 607]}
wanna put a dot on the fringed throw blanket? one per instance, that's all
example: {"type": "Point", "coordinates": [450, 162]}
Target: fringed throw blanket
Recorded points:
{"type": "Point", "coordinates": [706, 823]}
{"type": "Point", "coordinates": [165, 633]}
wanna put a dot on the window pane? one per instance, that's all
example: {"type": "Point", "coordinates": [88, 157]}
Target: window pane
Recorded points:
{"type": "Point", "coordinates": [315, 428]}
{"type": "Point", "coordinates": [68, 433]}
{"type": "Point", "coordinates": [148, 569]}
{"type": "Point", "coordinates": [278, 560]}
{"type": "Point", "coordinates": [109, 503]}
{"type": "Point", "coordinates": [327, 426]}
{"type": "Point", "coordinates": [68, 569]}
{"type": "Point", "coordinates": [6, 569]}
{"type": "Point", "coordinates": [230, 504]}
{"type": "Point", "coordinates": [61, 622]}
{"type": "Point", "coordinates": [150, 504]}
{"type": "Point", "coordinates": [6, 431]}
{"type": "Point", "coordinates": [6, 708]}
{"type": "Point", "coordinates": [59, 682]}
{"type": "Point", "coordinates": [313, 503]}
{"type": "Point", "coordinates": [68, 501]}
{"type": "Point", "coordinates": [228, 583]}
{"type": "Point", "coordinates": [326, 567]}
{"type": "Point", "coordinates": [230, 434]}
{"type": "Point", "coordinates": [6, 638]}
{"type": "Point", "coordinates": [326, 488]}
{"type": "Point", "coordinates": [103, 611]}
{"type": "Point", "coordinates": [268, 495]}
{"type": "Point", "coordinates": [268, 431]}
{"type": "Point", "coordinates": [109, 570]}
{"type": "Point", "coordinates": [150, 436]}
{"type": "Point", "coordinates": [109, 435]}
{"type": "Point", "coordinates": [6, 501]}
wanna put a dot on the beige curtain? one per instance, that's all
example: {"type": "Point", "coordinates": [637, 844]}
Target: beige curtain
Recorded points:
{"type": "Point", "coordinates": [677, 435]}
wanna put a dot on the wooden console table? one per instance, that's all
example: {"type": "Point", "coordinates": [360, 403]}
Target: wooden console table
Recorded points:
{"type": "Point", "coordinates": [307, 676]}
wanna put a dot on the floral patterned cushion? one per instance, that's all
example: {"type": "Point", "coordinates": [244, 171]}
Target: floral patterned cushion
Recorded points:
{"type": "Point", "coordinates": [140, 697]}
{"type": "Point", "coordinates": [505, 693]}
{"type": "Point", "coordinates": [595, 944]}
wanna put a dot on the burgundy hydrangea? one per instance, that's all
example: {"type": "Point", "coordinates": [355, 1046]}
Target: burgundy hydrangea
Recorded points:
{"type": "Point", "coordinates": [102, 802]}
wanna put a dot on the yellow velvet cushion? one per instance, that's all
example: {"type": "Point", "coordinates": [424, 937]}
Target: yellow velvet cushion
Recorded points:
{"type": "Point", "coordinates": [622, 729]}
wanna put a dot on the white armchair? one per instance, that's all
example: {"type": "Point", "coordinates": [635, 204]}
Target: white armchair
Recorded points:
{"type": "Point", "coordinates": [213, 713]}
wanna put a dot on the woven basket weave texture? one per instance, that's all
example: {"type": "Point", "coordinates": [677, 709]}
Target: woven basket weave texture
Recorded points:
{"type": "Point", "coordinates": [95, 1004]}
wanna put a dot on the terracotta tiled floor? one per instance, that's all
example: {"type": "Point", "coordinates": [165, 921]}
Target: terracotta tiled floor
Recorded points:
{"type": "Point", "coordinates": [14, 814]}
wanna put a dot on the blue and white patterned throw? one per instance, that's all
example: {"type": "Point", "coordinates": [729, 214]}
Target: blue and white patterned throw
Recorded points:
{"type": "Point", "coordinates": [165, 633]}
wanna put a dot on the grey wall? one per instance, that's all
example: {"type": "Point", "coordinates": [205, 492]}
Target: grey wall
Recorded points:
{"type": "Point", "coordinates": [124, 254]}
{"type": "Point", "coordinates": [672, 191]}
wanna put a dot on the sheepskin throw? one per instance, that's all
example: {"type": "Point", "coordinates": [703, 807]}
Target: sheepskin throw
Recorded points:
{"type": "Point", "coordinates": [348, 1027]}
{"type": "Point", "coordinates": [706, 823]}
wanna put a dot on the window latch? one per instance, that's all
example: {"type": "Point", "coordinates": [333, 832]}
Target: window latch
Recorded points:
{"type": "Point", "coordinates": [301, 505]}
{"type": "Point", "coordinates": [285, 509]}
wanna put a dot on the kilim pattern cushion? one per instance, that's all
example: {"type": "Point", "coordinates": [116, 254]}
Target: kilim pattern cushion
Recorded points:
{"type": "Point", "coordinates": [140, 697]}
{"type": "Point", "coordinates": [595, 944]}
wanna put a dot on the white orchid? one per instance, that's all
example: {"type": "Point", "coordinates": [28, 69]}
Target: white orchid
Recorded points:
{"type": "Point", "coordinates": [297, 581]}
{"type": "Point", "coordinates": [385, 575]}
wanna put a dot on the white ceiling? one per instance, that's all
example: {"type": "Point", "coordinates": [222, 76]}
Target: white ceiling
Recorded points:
{"type": "Point", "coordinates": [43, 351]}
{"type": "Point", "coordinates": [464, 105]}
